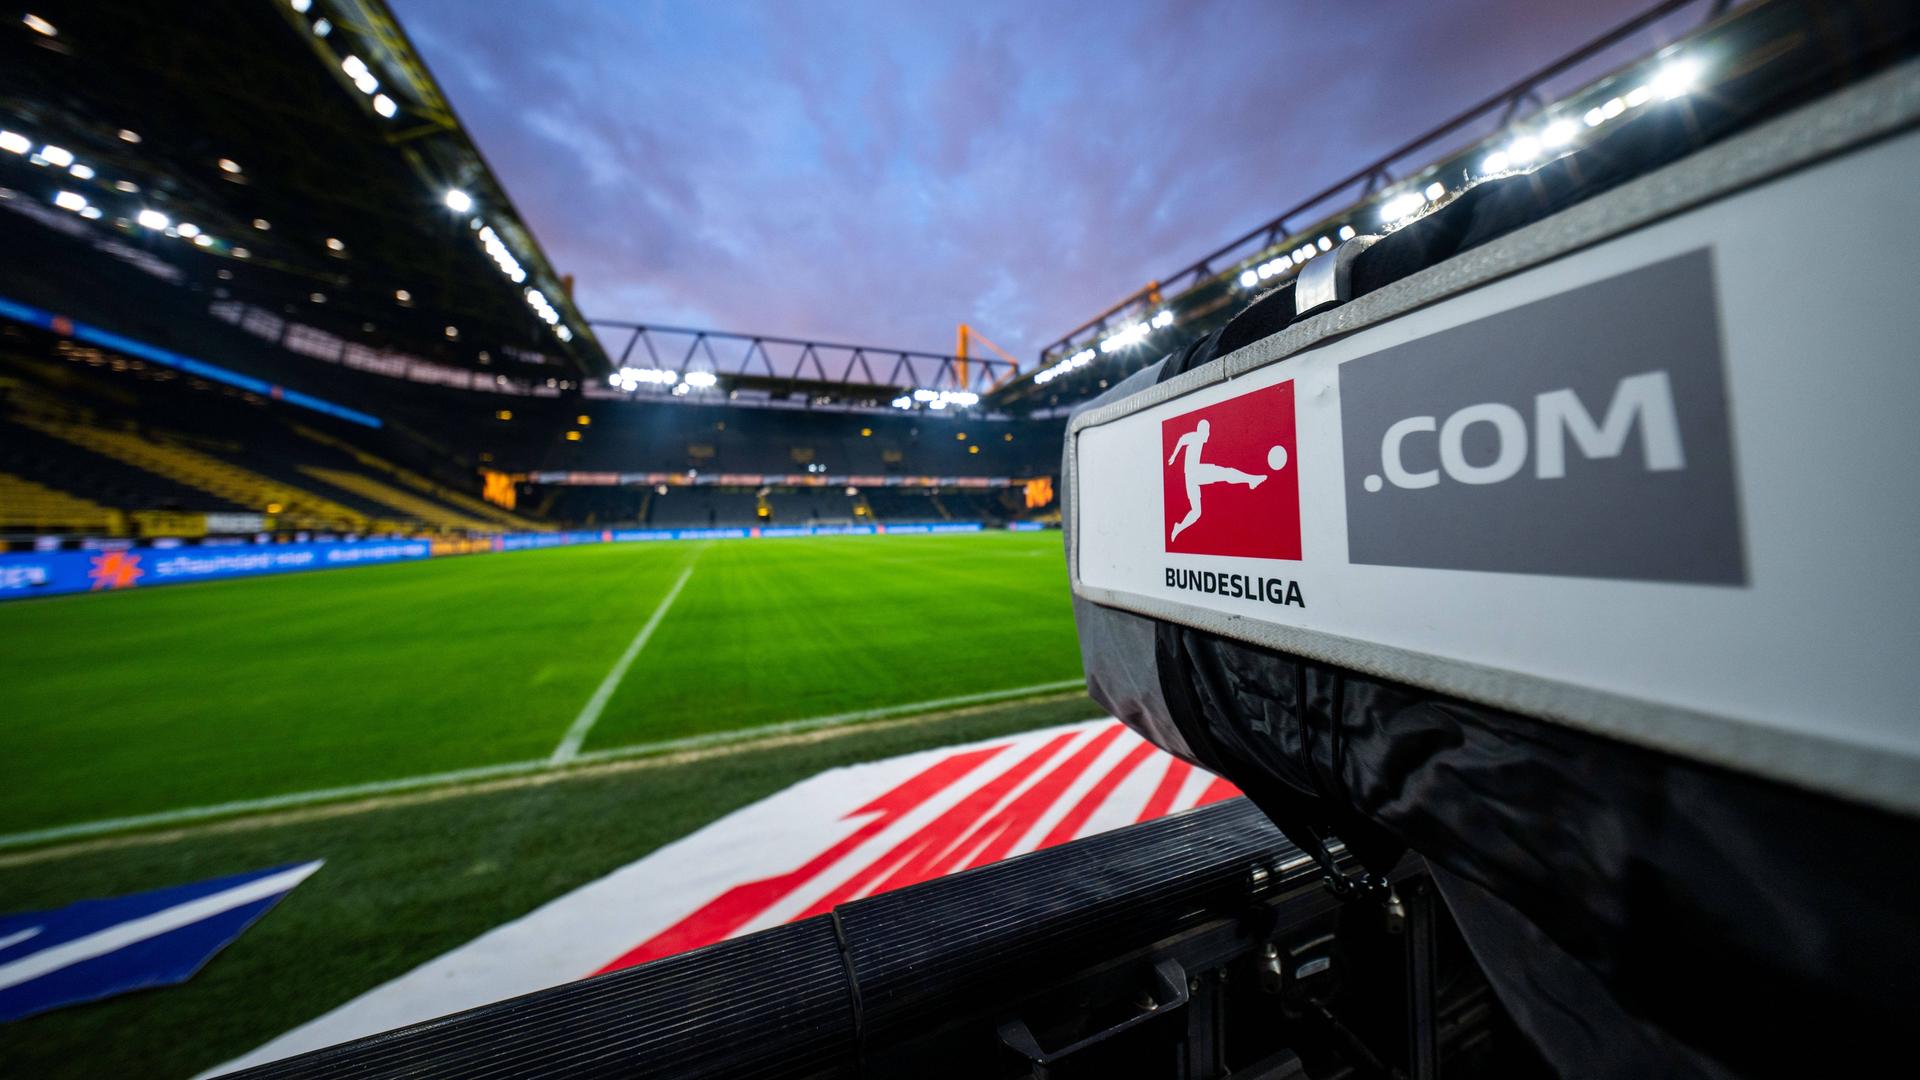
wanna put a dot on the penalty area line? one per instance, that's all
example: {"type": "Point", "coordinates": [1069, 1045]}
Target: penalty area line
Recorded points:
{"type": "Point", "coordinates": [569, 747]}
{"type": "Point", "coordinates": [713, 742]}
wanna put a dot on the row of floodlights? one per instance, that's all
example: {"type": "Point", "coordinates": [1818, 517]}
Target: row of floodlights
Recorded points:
{"type": "Point", "coordinates": [1127, 336]}
{"type": "Point", "coordinates": [1677, 77]}
{"type": "Point", "coordinates": [1674, 79]}
{"type": "Point", "coordinates": [355, 68]}
{"type": "Point", "coordinates": [633, 378]}
{"type": "Point", "coordinates": [937, 400]}
{"type": "Point", "coordinates": [59, 157]}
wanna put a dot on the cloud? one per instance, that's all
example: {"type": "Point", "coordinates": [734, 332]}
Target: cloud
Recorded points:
{"type": "Point", "coordinates": [878, 172]}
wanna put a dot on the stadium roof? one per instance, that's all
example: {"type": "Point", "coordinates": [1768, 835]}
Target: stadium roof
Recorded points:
{"type": "Point", "coordinates": [292, 157]}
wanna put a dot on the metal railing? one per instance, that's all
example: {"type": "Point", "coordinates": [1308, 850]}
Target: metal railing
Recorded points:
{"type": "Point", "coordinates": [1365, 186]}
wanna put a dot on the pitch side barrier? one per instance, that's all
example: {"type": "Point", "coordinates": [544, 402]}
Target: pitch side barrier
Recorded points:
{"type": "Point", "coordinates": [1198, 945]}
{"type": "Point", "coordinates": [28, 574]}
{"type": "Point", "coordinates": [1565, 537]}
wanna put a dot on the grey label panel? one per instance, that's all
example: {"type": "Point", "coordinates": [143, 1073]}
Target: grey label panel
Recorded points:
{"type": "Point", "coordinates": [1582, 435]}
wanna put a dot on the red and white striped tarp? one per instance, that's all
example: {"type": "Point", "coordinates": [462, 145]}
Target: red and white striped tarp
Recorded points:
{"type": "Point", "coordinates": [842, 835]}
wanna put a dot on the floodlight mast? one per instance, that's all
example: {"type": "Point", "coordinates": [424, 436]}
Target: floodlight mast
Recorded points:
{"type": "Point", "coordinates": [963, 338]}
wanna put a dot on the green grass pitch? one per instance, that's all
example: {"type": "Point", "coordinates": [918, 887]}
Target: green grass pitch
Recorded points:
{"type": "Point", "coordinates": [187, 696]}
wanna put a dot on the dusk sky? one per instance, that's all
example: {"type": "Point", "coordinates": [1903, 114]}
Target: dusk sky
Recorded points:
{"type": "Point", "coordinates": [878, 172]}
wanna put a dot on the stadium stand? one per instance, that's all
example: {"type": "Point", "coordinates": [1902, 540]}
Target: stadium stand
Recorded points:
{"type": "Point", "coordinates": [697, 508]}
{"type": "Point", "coordinates": [336, 366]}
{"type": "Point", "coordinates": [134, 443]}
{"type": "Point", "coordinates": [811, 507]}
{"type": "Point", "coordinates": [27, 505]}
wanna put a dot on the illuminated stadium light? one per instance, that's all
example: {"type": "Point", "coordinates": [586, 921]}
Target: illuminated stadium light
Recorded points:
{"type": "Point", "coordinates": [1266, 271]}
{"type": "Point", "coordinates": [301, 6]}
{"type": "Point", "coordinates": [1496, 162]}
{"type": "Point", "coordinates": [127, 186]}
{"type": "Point", "coordinates": [81, 172]}
{"type": "Point", "coordinates": [334, 243]}
{"type": "Point", "coordinates": [203, 240]}
{"type": "Point", "coordinates": [57, 155]}
{"type": "Point", "coordinates": [1324, 244]}
{"type": "Point", "coordinates": [321, 28]}
{"type": "Point", "coordinates": [1613, 108]}
{"type": "Point", "coordinates": [14, 141]}
{"type": "Point", "coordinates": [1559, 134]}
{"type": "Point", "coordinates": [401, 295]}
{"type": "Point", "coordinates": [1128, 336]}
{"type": "Point", "coordinates": [632, 378]}
{"type": "Point", "coordinates": [1523, 149]}
{"type": "Point", "coordinates": [1401, 206]}
{"type": "Point", "coordinates": [228, 165]}
{"type": "Point", "coordinates": [129, 136]}
{"type": "Point", "coordinates": [1077, 360]}
{"type": "Point", "coordinates": [453, 332]}
{"type": "Point", "coordinates": [1639, 96]}
{"type": "Point", "coordinates": [497, 249]}
{"type": "Point", "coordinates": [188, 229]}
{"type": "Point", "coordinates": [67, 200]}
{"type": "Point", "coordinates": [384, 105]}
{"type": "Point", "coordinates": [153, 219]}
{"type": "Point", "coordinates": [1434, 191]}
{"type": "Point", "coordinates": [358, 71]}
{"type": "Point", "coordinates": [682, 390]}
{"type": "Point", "coordinates": [1249, 278]}
{"type": "Point", "coordinates": [538, 301]}
{"type": "Point", "coordinates": [1347, 232]}
{"type": "Point", "coordinates": [563, 332]}
{"type": "Point", "coordinates": [1595, 117]}
{"type": "Point", "coordinates": [39, 25]}
{"type": "Point", "coordinates": [91, 213]}
{"type": "Point", "coordinates": [1676, 78]}
{"type": "Point", "coordinates": [242, 253]}
{"type": "Point", "coordinates": [458, 201]}
{"type": "Point", "coordinates": [318, 298]}
{"type": "Point", "coordinates": [1165, 318]}
{"type": "Point", "coordinates": [939, 399]}
{"type": "Point", "coordinates": [262, 224]}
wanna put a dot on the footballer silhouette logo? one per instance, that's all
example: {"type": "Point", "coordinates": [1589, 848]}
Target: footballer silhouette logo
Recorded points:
{"type": "Point", "coordinates": [1230, 478]}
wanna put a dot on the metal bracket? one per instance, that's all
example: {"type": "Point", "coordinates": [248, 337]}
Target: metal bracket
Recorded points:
{"type": "Point", "coordinates": [1322, 283]}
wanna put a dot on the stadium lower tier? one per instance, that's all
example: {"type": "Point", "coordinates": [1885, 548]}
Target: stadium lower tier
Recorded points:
{"type": "Point", "coordinates": [95, 444]}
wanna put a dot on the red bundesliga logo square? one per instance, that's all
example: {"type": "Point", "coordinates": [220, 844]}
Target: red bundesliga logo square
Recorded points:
{"type": "Point", "coordinates": [1231, 478]}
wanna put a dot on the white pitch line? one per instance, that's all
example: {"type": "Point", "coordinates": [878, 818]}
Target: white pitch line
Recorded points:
{"type": "Point", "coordinates": [569, 747]}
{"type": "Point", "coordinates": [293, 800]}
{"type": "Point", "coordinates": [795, 727]}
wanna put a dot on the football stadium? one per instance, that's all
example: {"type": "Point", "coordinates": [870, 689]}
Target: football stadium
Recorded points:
{"type": "Point", "coordinates": [1461, 626]}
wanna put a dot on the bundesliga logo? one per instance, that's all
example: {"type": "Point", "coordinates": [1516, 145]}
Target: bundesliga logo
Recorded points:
{"type": "Point", "coordinates": [1231, 481]}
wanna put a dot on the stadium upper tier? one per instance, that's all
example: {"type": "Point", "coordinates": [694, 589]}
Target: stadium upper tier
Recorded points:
{"type": "Point", "coordinates": [294, 158]}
